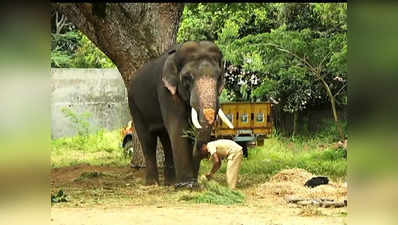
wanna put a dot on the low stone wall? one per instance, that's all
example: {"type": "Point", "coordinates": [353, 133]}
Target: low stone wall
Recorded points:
{"type": "Point", "coordinates": [100, 92]}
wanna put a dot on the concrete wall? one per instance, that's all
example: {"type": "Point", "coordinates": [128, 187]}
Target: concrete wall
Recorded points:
{"type": "Point", "coordinates": [100, 92]}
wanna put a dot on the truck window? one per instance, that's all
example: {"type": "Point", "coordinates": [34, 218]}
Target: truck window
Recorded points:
{"type": "Point", "coordinates": [244, 118]}
{"type": "Point", "coordinates": [260, 117]}
{"type": "Point", "coordinates": [230, 117]}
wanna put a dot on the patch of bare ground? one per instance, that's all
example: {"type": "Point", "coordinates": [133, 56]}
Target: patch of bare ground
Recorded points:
{"type": "Point", "coordinates": [110, 195]}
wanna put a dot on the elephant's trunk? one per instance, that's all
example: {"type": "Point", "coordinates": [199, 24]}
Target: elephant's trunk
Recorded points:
{"type": "Point", "coordinates": [204, 102]}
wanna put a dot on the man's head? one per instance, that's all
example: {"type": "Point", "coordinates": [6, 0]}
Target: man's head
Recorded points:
{"type": "Point", "coordinates": [202, 146]}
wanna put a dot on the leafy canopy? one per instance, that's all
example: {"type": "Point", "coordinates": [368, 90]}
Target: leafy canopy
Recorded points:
{"type": "Point", "coordinates": [256, 39]}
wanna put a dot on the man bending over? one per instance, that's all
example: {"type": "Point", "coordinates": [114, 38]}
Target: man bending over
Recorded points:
{"type": "Point", "coordinates": [220, 149]}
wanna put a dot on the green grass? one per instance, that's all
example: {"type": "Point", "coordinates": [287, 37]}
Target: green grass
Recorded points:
{"type": "Point", "coordinates": [314, 155]}
{"type": "Point", "coordinates": [101, 148]}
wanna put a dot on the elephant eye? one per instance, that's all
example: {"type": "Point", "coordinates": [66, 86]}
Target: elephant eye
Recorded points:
{"type": "Point", "coordinates": [187, 80]}
{"type": "Point", "coordinates": [187, 77]}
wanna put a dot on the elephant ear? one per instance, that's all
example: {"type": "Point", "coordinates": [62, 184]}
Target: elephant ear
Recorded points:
{"type": "Point", "coordinates": [170, 73]}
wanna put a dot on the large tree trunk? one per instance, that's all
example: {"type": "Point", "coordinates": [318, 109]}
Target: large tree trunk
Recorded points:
{"type": "Point", "coordinates": [130, 34]}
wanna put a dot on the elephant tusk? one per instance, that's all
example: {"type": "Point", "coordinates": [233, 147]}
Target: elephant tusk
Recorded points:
{"type": "Point", "coordinates": [225, 119]}
{"type": "Point", "coordinates": [194, 117]}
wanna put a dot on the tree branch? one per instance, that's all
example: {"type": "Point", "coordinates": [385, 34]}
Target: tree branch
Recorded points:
{"type": "Point", "coordinates": [303, 60]}
{"type": "Point", "coordinates": [130, 34]}
{"type": "Point", "coordinates": [340, 90]}
{"type": "Point", "coordinates": [327, 55]}
{"type": "Point", "coordinates": [317, 72]}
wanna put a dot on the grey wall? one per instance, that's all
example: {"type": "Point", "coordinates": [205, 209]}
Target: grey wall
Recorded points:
{"type": "Point", "coordinates": [100, 92]}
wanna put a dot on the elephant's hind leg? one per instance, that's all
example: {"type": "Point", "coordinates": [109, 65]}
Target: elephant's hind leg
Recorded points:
{"type": "Point", "coordinates": [151, 167]}
{"type": "Point", "coordinates": [148, 143]}
{"type": "Point", "coordinates": [169, 170]}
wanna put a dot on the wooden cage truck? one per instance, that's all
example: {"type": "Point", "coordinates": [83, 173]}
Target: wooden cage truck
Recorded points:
{"type": "Point", "coordinates": [251, 120]}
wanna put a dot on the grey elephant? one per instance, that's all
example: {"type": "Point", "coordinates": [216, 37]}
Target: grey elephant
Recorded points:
{"type": "Point", "coordinates": [179, 87]}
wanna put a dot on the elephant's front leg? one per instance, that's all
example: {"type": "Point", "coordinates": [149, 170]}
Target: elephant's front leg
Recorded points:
{"type": "Point", "coordinates": [182, 156]}
{"type": "Point", "coordinates": [169, 170]}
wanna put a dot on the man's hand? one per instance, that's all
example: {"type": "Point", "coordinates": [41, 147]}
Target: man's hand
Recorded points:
{"type": "Point", "coordinates": [209, 176]}
{"type": "Point", "coordinates": [216, 166]}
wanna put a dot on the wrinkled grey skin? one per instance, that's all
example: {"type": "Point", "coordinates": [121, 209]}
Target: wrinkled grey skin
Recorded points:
{"type": "Point", "coordinates": [161, 96]}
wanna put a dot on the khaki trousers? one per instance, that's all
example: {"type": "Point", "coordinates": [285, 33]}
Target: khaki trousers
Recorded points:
{"type": "Point", "coordinates": [233, 166]}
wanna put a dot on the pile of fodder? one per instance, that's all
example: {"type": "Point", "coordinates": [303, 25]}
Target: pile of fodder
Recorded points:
{"type": "Point", "coordinates": [214, 193]}
{"type": "Point", "coordinates": [289, 184]}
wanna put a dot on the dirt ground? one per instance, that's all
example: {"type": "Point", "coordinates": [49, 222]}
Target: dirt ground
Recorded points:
{"type": "Point", "coordinates": [116, 196]}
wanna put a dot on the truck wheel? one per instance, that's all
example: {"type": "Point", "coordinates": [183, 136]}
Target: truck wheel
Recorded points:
{"type": "Point", "coordinates": [128, 148]}
{"type": "Point", "coordinates": [260, 141]}
{"type": "Point", "coordinates": [244, 149]}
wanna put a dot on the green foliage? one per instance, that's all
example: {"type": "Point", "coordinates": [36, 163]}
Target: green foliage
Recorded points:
{"type": "Point", "coordinates": [330, 129]}
{"type": "Point", "coordinates": [298, 16]}
{"type": "Point", "coordinates": [74, 50]}
{"type": "Point", "coordinates": [214, 21]}
{"type": "Point", "coordinates": [63, 47]}
{"type": "Point", "coordinates": [80, 122]}
{"type": "Point", "coordinates": [264, 89]}
{"type": "Point", "coordinates": [332, 16]}
{"type": "Point", "coordinates": [100, 148]}
{"type": "Point", "coordinates": [251, 36]}
{"type": "Point", "coordinates": [226, 96]}
{"type": "Point", "coordinates": [84, 140]}
{"type": "Point", "coordinates": [60, 59]}
{"type": "Point", "coordinates": [89, 56]}
{"type": "Point", "coordinates": [217, 194]}
{"type": "Point", "coordinates": [285, 77]}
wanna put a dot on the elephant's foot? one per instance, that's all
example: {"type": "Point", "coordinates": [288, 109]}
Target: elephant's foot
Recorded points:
{"type": "Point", "coordinates": [169, 176]}
{"type": "Point", "coordinates": [169, 181]}
{"type": "Point", "coordinates": [189, 185]}
{"type": "Point", "coordinates": [151, 180]}
{"type": "Point", "coordinates": [151, 174]}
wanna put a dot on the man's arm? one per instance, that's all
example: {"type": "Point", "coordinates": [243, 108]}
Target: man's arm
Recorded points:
{"type": "Point", "coordinates": [216, 166]}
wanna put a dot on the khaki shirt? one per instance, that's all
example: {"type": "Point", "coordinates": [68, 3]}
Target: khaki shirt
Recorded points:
{"type": "Point", "coordinates": [222, 147]}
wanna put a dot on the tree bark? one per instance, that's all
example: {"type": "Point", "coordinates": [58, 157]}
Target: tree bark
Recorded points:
{"type": "Point", "coordinates": [130, 34]}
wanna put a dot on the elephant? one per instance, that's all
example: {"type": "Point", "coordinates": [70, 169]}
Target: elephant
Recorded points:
{"type": "Point", "coordinates": [179, 87]}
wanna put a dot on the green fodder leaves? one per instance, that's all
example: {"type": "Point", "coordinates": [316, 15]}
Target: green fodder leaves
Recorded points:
{"type": "Point", "coordinates": [215, 193]}
{"type": "Point", "coordinates": [191, 132]}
